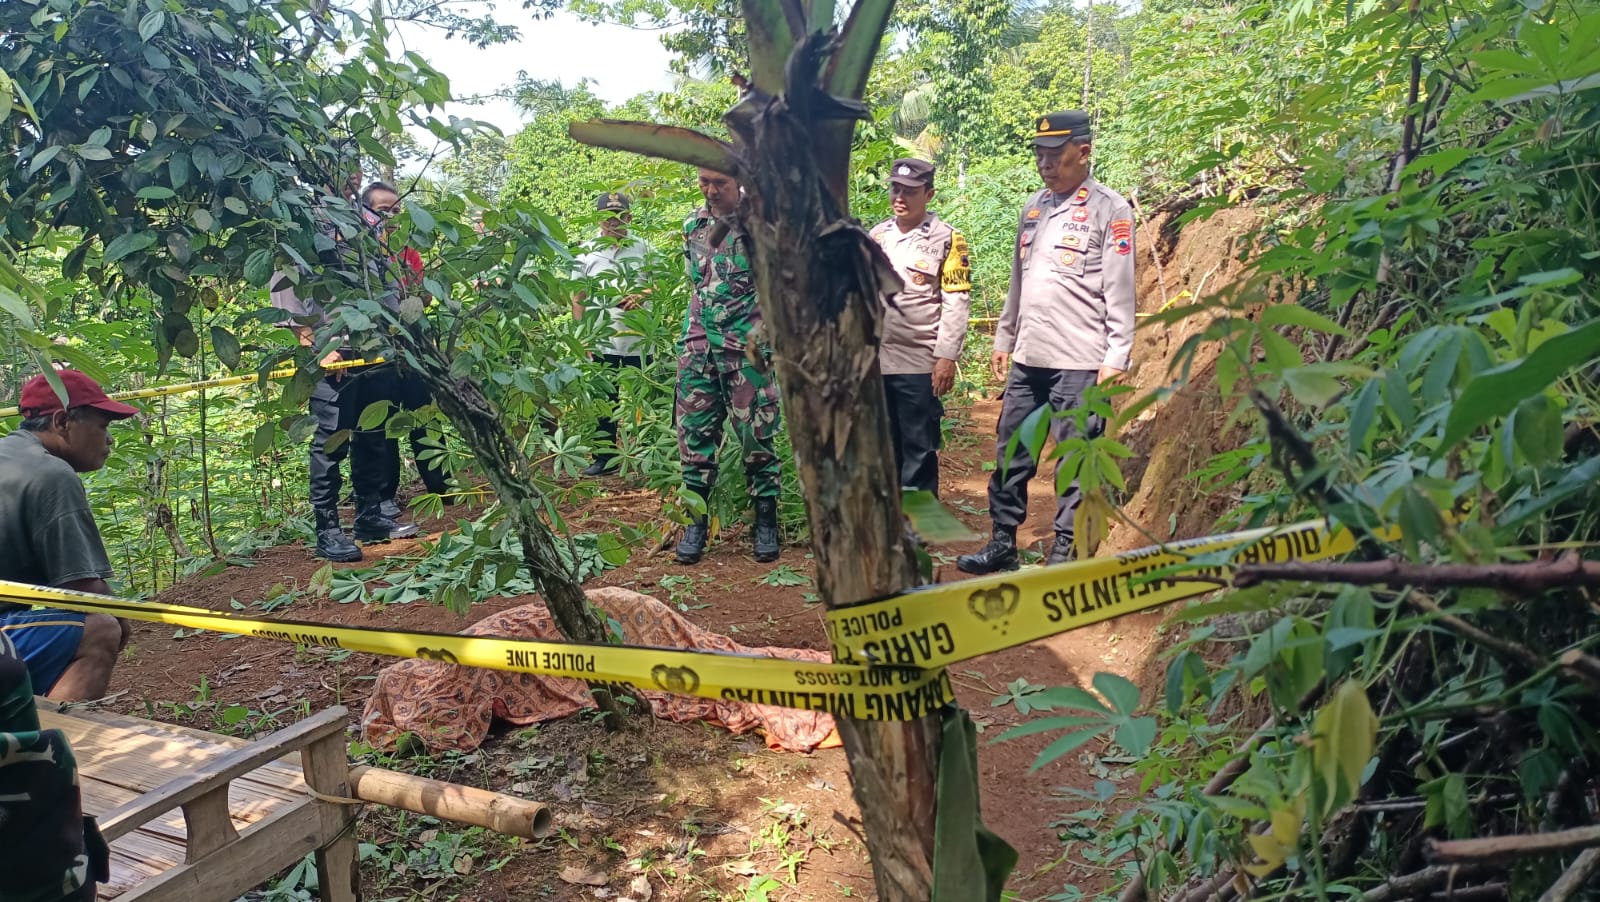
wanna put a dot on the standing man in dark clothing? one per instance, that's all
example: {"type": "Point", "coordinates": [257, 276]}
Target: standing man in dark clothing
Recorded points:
{"type": "Point", "coordinates": [925, 324]}
{"type": "Point", "coordinates": [1068, 320]}
{"type": "Point", "coordinates": [48, 535]}
{"type": "Point", "coordinates": [379, 202]}
{"type": "Point", "coordinates": [725, 371]}
{"type": "Point", "coordinates": [614, 258]}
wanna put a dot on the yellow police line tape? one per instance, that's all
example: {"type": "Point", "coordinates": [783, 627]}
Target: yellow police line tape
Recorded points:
{"type": "Point", "coordinates": [179, 388]}
{"type": "Point", "coordinates": [889, 655]}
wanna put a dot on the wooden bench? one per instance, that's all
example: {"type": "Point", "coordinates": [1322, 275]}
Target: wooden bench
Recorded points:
{"type": "Point", "coordinates": [199, 817]}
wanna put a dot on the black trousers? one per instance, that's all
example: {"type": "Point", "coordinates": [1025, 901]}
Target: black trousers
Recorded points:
{"type": "Point", "coordinates": [607, 425]}
{"type": "Point", "coordinates": [914, 414]}
{"type": "Point", "coordinates": [411, 393]}
{"type": "Point", "coordinates": [1027, 389]}
{"type": "Point", "coordinates": [337, 404]}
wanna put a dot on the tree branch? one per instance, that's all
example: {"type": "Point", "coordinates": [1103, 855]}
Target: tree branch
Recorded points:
{"type": "Point", "coordinates": [1409, 886]}
{"type": "Point", "coordinates": [1575, 878]}
{"type": "Point", "coordinates": [1527, 578]}
{"type": "Point", "coordinates": [1498, 849]}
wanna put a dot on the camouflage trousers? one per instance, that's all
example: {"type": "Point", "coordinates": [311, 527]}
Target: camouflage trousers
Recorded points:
{"type": "Point", "coordinates": [714, 384]}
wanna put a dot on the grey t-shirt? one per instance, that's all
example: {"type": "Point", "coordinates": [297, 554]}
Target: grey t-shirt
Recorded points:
{"type": "Point", "coordinates": [47, 532]}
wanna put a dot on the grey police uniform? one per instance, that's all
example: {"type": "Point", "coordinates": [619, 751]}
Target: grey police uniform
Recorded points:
{"type": "Point", "coordinates": [927, 320]}
{"type": "Point", "coordinates": [1070, 312]}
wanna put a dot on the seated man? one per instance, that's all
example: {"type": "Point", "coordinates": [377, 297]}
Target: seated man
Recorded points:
{"type": "Point", "coordinates": [50, 538]}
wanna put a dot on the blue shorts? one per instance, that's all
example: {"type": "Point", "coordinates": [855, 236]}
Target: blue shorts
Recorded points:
{"type": "Point", "coordinates": [46, 639]}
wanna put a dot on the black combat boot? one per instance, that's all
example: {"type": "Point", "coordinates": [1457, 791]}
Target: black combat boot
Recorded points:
{"type": "Point", "coordinates": [1000, 554]}
{"type": "Point", "coordinates": [603, 465]}
{"type": "Point", "coordinates": [767, 538]}
{"type": "Point", "coordinates": [332, 543]}
{"type": "Point", "coordinates": [373, 526]}
{"type": "Point", "coordinates": [391, 509]}
{"type": "Point", "coordinates": [693, 545]}
{"type": "Point", "coordinates": [1063, 550]}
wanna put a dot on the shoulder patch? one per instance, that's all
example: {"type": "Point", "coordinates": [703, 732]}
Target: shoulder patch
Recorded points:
{"type": "Point", "coordinates": [1122, 235]}
{"type": "Point", "coordinates": [956, 274]}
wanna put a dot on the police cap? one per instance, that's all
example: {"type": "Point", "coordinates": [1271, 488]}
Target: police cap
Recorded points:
{"type": "Point", "coordinates": [916, 173]}
{"type": "Point", "coordinates": [1056, 129]}
{"type": "Point", "coordinates": [612, 202]}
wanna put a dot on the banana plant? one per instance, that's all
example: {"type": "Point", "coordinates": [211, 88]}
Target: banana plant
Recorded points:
{"type": "Point", "coordinates": [821, 282]}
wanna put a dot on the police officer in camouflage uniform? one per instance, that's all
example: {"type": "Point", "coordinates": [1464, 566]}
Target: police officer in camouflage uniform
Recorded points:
{"type": "Point", "coordinates": [925, 324]}
{"type": "Point", "coordinates": [725, 369]}
{"type": "Point", "coordinates": [1068, 321]}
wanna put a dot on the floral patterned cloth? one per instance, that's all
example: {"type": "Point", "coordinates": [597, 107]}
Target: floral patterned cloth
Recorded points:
{"type": "Point", "coordinates": [451, 707]}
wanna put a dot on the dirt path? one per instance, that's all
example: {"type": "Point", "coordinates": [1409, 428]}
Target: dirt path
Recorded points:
{"type": "Point", "coordinates": [696, 813]}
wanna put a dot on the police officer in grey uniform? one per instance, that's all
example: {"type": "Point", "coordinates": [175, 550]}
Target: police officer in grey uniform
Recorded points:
{"type": "Point", "coordinates": [926, 323]}
{"type": "Point", "coordinates": [1067, 323]}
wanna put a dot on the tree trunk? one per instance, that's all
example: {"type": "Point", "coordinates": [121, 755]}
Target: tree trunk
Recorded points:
{"type": "Point", "coordinates": [818, 281]}
{"type": "Point", "coordinates": [509, 473]}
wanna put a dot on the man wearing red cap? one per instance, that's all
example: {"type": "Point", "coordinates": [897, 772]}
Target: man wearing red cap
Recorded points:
{"type": "Point", "coordinates": [49, 535]}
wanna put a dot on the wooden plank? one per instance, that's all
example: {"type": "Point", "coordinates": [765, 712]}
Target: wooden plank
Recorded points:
{"type": "Point", "coordinates": [208, 823]}
{"type": "Point", "coordinates": [143, 761]}
{"type": "Point", "coordinates": [324, 724]}
{"type": "Point", "coordinates": [263, 850]}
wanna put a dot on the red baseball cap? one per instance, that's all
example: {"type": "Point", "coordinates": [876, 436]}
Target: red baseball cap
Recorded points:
{"type": "Point", "coordinates": [38, 397]}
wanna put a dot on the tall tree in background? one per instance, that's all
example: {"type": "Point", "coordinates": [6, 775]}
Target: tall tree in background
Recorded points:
{"type": "Point", "coordinates": [820, 280]}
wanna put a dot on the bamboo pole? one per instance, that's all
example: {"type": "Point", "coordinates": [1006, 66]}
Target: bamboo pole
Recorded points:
{"type": "Point", "coordinates": [452, 802]}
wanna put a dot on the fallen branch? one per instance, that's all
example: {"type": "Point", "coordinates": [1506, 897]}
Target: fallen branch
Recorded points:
{"type": "Point", "coordinates": [1536, 576]}
{"type": "Point", "coordinates": [1494, 849]}
{"type": "Point", "coordinates": [1406, 886]}
{"type": "Point", "coordinates": [1576, 878]}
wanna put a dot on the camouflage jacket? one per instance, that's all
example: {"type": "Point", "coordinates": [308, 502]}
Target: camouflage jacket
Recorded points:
{"type": "Point", "coordinates": [722, 304]}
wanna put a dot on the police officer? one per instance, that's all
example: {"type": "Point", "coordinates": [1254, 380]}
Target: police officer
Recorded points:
{"type": "Point", "coordinates": [610, 263]}
{"type": "Point", "coordinates": [1067, 323]}
{"type": "Point", "coordinates": [926, 323]}
{"type": "Point", "coordinates": [725, 370]}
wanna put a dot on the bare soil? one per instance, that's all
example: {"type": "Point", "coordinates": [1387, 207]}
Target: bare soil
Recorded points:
{"type": "Point", "coordinates": [695, 812]}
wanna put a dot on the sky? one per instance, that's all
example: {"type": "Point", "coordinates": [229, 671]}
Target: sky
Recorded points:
{"type": "Point", "coordinates": [620, 61]}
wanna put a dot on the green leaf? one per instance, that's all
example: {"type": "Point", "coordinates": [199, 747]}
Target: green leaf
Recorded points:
{"type": "Point", "coordinates": [261, 442]}
{"type": "Point", "coordinates": [668, 142]}
{"type": "Point", "coordinates": [1047, 724]}
{"type": "Point", "coordinates": [373, 415]}
{"type": "Point", "coordinates": [226, 346]}
{"type": "Point", "coordinates": [186, 343]}
{"type": "Point", "coordinates": [157, 192]}
{"type": "Point", "coordinates": [1296, 315]}
{"type": "Point", "coordinates": [1496, 392]}
{"type": "Point", "coordinates": [1136, 735]}
{"type": "Point", "coordinates": [1344, 734]}
{"type": "Point", "coordinates": [151, 24]}
{"type": "Point", "coordinates": [236, 205]}
{"type": "Point", "coordinates": [1062, 746]}
{"type": "Point", "coordinates": [203, 220]}
{"type": "Point", "coordinates": [258, 267]}
{"type": "Point", "coordinates": [1119, 691]}
{"type": "Point", "coordinates": [91, 152]}
{"type": "Point", "coordinates": [1539, 430]}
{"type": "Point", "coordinates": [128, 243]}
{"type": "Point", "coordinates": [1311, 387]}
{"type": "Point", "coordinates": [420, 218]}
{"type": "Point", "coordinates": [931, 519]}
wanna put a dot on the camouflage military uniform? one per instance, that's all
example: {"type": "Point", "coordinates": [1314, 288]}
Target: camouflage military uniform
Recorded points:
{"type": "Point", "coordinates": [52, 851]}
{"type": "Point", "coordinates": [726, 366]}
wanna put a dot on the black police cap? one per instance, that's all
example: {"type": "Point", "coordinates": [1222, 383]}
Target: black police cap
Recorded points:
{"type": "Point", "coordinates": [912, 172]}
{"type": "Point", "coordinates": [1056, 129]}
{"type": "Point", "coordinates": [612, 202]}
